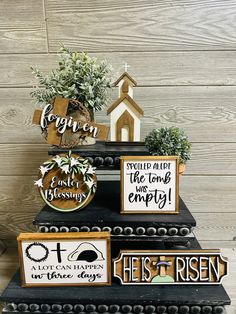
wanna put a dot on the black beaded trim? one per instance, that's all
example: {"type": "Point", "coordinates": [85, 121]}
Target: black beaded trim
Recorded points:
{"type": "Point", "coordinates": [123, 231]}
{"type": "Point", "coordinates": [113, 308]}
{"type": "Point", "coordinates": [104, 162]}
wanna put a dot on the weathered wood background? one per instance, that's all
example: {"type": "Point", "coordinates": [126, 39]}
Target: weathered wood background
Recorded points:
{"type": "Point", "coordinates": [182, 54]}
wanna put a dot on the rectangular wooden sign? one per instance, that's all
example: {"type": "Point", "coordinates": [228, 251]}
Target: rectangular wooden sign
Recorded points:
{"type": "Point", "coordinates": [149, 185]}
{"type": "Point", "coordinates": [170, 267]}
{"type": "Point", "coordinates": [65, 259]}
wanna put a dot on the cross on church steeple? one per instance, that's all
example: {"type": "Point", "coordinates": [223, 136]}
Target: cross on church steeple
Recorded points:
{"type": "Point", "coordinates": [126, 66]}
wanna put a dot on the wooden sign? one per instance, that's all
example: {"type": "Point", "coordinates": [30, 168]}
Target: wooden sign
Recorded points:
{"type": "Point", "coordinates": [67, 182]}
{"type": "Point", "coordinates": [170, 267]}
{"type": "Point", "coordinates": [149, 185]}
{"type": "Point", "coordinates": [64, 259]}
{"type": "Point", "coordinates": [125, 113]}
{"type": "Point", "coordinates": [54, 120]}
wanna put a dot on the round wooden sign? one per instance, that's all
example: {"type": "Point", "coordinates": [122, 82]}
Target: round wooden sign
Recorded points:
{"type": "Point", "coordinates": [67, 182]}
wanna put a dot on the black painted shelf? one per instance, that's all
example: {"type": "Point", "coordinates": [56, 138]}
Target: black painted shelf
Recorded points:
{"type": "Point", "coordinates": [105, 155]}
{"type": "Point", "coordinates": [116, 298]}
{"type": "Point", "coordinates": [103, 213]}
{"type": "Point", "coordinates": [191, 295]}
{"type": "Point", "coordinates": [127, 232]}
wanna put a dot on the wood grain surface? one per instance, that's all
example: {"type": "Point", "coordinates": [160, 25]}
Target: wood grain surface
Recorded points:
{"type": "Point", "coordinates": [207, 114]}
{"type": "Point", "coordinates": [201, 193]}
{"type": "Point", "coordinates": [182, 55]}
{"type": "Point", "coordinates": [193, 88]}
{"type": "Point", "coordinates": [207, 159]}
{"type": "Point", "coordinates": [22, 27]}
{"type": "Point", "coordinates": [159, 68]}
{"type": "Point", "coordinates": [210, 226]}
{"type": "Point", "coordinates": [141, 25]}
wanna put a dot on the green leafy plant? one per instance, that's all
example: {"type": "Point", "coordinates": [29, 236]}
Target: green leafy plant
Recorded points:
{"type": "Point", "coordinates": [79, 77]}
{"type": "Point", "coordinates": [169, 141]}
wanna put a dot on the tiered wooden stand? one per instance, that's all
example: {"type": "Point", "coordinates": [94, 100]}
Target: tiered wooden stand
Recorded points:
{"type": "Point", "coordinates": [127, 232]}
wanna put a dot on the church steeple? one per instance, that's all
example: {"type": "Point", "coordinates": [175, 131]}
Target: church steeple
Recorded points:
{"type": "Point", "coordinates": [125, 112]}
{"type": "Point", "coordinates": [125, 83]}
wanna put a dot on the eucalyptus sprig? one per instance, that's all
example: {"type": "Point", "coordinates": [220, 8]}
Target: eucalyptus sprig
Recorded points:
{"type": "Point", "coordinates": [78, 76]}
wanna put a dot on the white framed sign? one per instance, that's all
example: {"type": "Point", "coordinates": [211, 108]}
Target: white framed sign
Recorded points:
{"type": "Point", "coordinates": [65, 259]}
{"type": "Point", "coordinates": [149, 184]}
{"type": "Point", "coordinates": [182, 267]}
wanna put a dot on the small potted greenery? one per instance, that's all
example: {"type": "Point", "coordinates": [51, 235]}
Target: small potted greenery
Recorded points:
{"type": "Point", "coordinates": [169, 141]}
{"type": "Point", "coordinates": [79, 77]}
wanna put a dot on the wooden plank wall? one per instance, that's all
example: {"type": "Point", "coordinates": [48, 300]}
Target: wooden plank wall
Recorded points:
{"type": "Point", "coordinates": [182, 54]}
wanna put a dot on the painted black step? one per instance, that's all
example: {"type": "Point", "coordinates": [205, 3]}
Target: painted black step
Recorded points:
{"type": "Point", "coordinates": [103, 213]}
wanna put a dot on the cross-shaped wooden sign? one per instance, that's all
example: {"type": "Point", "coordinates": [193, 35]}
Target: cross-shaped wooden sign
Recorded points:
{"type": "Point", "coordinates": [54, 119]}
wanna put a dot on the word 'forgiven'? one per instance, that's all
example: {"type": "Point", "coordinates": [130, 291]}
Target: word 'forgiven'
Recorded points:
{"type": "Point", "coordinates": [62, 123]}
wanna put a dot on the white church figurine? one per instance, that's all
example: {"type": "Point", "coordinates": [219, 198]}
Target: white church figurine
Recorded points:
{"type": "Point", "coordinates": [124, 113]}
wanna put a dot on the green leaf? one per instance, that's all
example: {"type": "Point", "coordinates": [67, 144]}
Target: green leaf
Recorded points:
{"type": "Point", "coordinates": [77, 76]}
{"type": "Point", "coordinates": [169, 141]}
